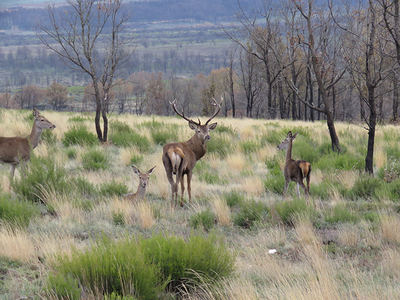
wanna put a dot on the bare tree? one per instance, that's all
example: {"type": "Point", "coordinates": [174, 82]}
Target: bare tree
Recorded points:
{"type": "Point", "coordinates": [321, 61]}
{"type": "Point", "coordinates": [57, 94]}
{"type": "Point", "coordinates": [87, 35]}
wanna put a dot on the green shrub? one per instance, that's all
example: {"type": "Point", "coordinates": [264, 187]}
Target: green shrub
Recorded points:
{"type": "Point", "coordinates": [77, 119]}
{"type": "Point", "coordinates": [273, 137]}
{"type": "Point", "coordinates": [41, 173]}
{"type": "Point", "coordinates": [118, 218]}
{"type": "Point", "coordinates": [183, 261]}
{"type": "Point", "coordinates": [140, 268]}
{"type": "Point", "coordinates": [84, 187]}
{"type": "Point", "coordinates": [94, 160]}
{"type": "Point", "coordinates": [275, 184]}
{"type": "Point", "coordinates": [71, 153]}
{"type": "Point", "coordinates": [113, 188]}
{"type": "Point", "coordinates": [108, 267]}
{"type": "Point", "coordinates": [365, 187]}
{"type": "Point", "coordinates": [164, 135]}
{"type": "Point", "coordinates": [390, 191]}
{"type": "Point", "coordinates": [136, 159]}
{"type": "Point", "coordinates": [233, 198]}
{"type": "Point", "coordinates": [211, 177]}
{"type": "Point", "coordinates": [249, 147]}
{"type": "Point", "coordinates": [225, 129]}
{"type": "Point", "coordinates": [63, 287]}
{"type": "Point", "coordinates": [79, 135]}
{"type": "Point", "coordinates": [115, 296]}
{"type": "Point", "coordinates": [123, 136]}
{"type": "Point", "coordinates": [219, 145]}
{"type": "Point", "coordinates": [371, 216]}
{"type": "Point", "coordinates": [391, 171]}
{"type": "Point", "coordinates": [321, 190]}
{"type": "Point", "coordinates": [250, 213]}
{"type": "Point", "coordinates": [16, 212]}
{"type": "Point", "coordinates": [204, 219]}
{"type": "Point", "coordinates": [341, 161]}
{"type": "Point", "coordinates": [48, 137]}
{"type": "Point", "coordinates": [393, 153]}
{"type": "Point", "coordinates": [305, 150]}
{"type": "Point", "coordinates": [288, 211]}
{"type": "Point", "coordinates": [341, 214]}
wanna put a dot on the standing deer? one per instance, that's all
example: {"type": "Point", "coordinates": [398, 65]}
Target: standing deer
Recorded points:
{"type": "Point", "coordinates": [295, 170]}
{"type": "Point", "coordinates": [143, 181]}
{"type": "Point", "coordinates": [14, 150]}
{"type": "Point", "coordinates": [180, 158]}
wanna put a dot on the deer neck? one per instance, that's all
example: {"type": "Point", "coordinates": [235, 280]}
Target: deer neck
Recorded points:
{"type": "Point", "coordinates": [34, 137]}
{"type": "Point", "coordinates": [198, 146]}
{"type": "Point", "coordinates": [289, 152]}
{"type": "Point", "coordinates": [141, 191]}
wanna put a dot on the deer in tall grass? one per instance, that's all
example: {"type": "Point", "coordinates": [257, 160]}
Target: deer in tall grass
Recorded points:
{"type": "Point", "coordinates": [180, 158]}
{"type": "Point", "coordinates": [14, 150]}
{"type": "Point", "coordinates": [295, 170]}
{"type": "Point", "coordinates": [143, 182]}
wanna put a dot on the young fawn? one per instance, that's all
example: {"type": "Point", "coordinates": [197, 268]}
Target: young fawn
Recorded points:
{"type": "Point", "coordinates": [143, 181]}
{"type": "Point", "coordinates": [295, 170]}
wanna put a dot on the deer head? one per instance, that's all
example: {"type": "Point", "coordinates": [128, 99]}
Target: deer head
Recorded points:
{"type": "Point", "coordinates": [202, 131]}
{"type": "Point", "coordinates": [41, 122]}
{"type": "Point", "coordinates": [285, 143]}
{"type": "Point", "coordinates": [143, 177]}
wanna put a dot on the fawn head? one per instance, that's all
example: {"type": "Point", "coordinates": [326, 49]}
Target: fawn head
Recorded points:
{"type": "Point", "coordinates": [202, 131]}
{"type": "Point", "coordinates": [285, 143]}
{"type": "Point", "coordinates": [143, 177]}
{"type": "Point", "coordinates": [42, 122]}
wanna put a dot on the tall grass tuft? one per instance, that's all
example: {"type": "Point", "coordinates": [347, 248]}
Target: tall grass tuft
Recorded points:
{"type": "Point", "coordinates": [16, 212]}
{"type": "Point", "coordinates": [123, 136]}
{"type": "Point", "coordinates": [79, 135]}
{"type": "Point", "coordinates": [289, 211]}
{"type": "Point", "coordinates": [41, 173]}
{"type": "Point", "coordinates": [94, 160]}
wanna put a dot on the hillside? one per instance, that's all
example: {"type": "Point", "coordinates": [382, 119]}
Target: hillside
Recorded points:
{"type": "Point", "coordinates": [342, 242]}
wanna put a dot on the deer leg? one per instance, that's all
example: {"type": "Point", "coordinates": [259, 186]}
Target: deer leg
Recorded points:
{"type": "Point", "coordinates": [13, 166]}
{"type": "Point", "coordinates": [303, 186]}
{"type": "Point", "coordinates": [286, 187]}
{"type": "Point", "coordinates": [182, 187]}
{"type": "Point", "coordinates": [298, 190]}
{"type": "Point", "coordinates": [189, 179]}
{"type": "Point", "coordinates": [168, 171]}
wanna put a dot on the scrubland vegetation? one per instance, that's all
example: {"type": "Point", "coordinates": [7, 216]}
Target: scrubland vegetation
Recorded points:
{"type": "Point", "coordinates": [66, 232]}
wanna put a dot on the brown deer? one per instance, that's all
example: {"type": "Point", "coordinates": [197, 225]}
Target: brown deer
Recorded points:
{"type": "Point", "coordinates": [180, 158]}
{"type": "Point", "coordinates": [143, 181]}
{"type": "Point", "coordinates": [295, 170]}
{"type": "Point", "coordinates": [14, 150]}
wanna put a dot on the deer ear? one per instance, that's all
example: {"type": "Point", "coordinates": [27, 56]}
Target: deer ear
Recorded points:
{"type": "Point", "coordinates": [136, 170]}
{"type": "Point", "coordinates": [294, 136]}
{"type": "Point", "coordinates": [35, 113]}
{"type": "Point", "coordinates": [151, 170]}
{"type": "Point", "coordinates": [212, 126]}
{"type": "Point", "coordinates": [192, 125]}
{"type": "Point", "coordinates": [289, 133]}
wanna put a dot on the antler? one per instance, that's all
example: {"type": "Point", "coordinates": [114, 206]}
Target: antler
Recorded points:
{"type": "Point", "coordinates": [173, 103]}
{"type": "Point", "coordinates": [214, 102]}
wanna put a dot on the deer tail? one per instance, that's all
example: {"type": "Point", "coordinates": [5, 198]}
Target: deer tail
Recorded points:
{"type": "Point", "coordinates": [305, 168]}
{"type": "Point", "coordinates": [175, 156]}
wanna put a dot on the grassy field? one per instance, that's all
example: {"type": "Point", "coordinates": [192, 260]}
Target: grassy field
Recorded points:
{"type": "Point", "coordinates": [65, 215]}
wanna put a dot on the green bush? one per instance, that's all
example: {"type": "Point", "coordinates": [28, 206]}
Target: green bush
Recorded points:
{"type": "Point", "coordinates": [118, 218]}
{"type": "Point", "coordinates": [341, 214]}
{"type": "Point", "coordinates": [79, 135]}
{"type": "Point", "coordinates": [113, 188]}
{"type": "Point", "coordinates": [273, 137]}
{"type": "Point", "coordinates": [71, 153]}
{"type": "Point", "coordinates": [136, 159]}
{"type": "Point", "coordinates": [41, 173]}
{"type": "Point", "coordinates": [391, 171]}
{"type": "Point", "coordinates": [393, 153]}
{"type": "Point", "coordinates": [108, 267]}
{"type": "Point", "coordinates": [183, 261]}
{"type": "Point", "coordinates": [249, 147]}
{"type": "Point", "coordinates": [77, 119]}
{"type": "Point", "coordinates": [225, 129]}
{"type": "Point", "coordinates": [204, 219]}
{"type": "Point", "coordinates": [288, 211]}
{"type": "Point", "coordinates": [220, 145]}
{"type": "Point", "coordinates": [304, 149]}
{"type": "Point", "coordinates": [275, 183]}
{"type": "Point", "coordinates": [84, 187]}
{"type": "Point", "coordinates": [140, 268]}
{"type": "Point", "coordinates": [164, 135]}
{"type": "Point", "coordinates": [16, 212]}
{"type": "Point", "coordinates": [115, 296]}
{"type": "Point", "coordinates": [250, 213]}
{"type": "Point", "coordinates": [341, 161]}
{"type": "Point", "coordinates": [48, 137]}
{"type": "Point", "coordinates": [211, 177]}
{"type": "Point", "coordinates": [233, 198]}
{"type": "Point", "coordinates": [365, 187]}
{"type": "Point", "coordinates": [63, 287]}
{"type": "Point", "coordinates": [123, 136]}
{"type": "Point", "coordinates": [94, 160]}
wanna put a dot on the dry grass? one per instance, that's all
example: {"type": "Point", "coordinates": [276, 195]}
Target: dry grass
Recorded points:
{"type": "Point", "coordinates": [222, 211]}
{"type": "Point", "coordinates": [390, 228]}
{"type": "Point", "coordinates": [16, 244]}
{"type": "Point", "coordinates": [144, 214]}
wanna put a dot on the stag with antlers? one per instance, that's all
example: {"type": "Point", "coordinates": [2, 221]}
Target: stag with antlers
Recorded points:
{"type": "Point", "coordinates": [180, 158]}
